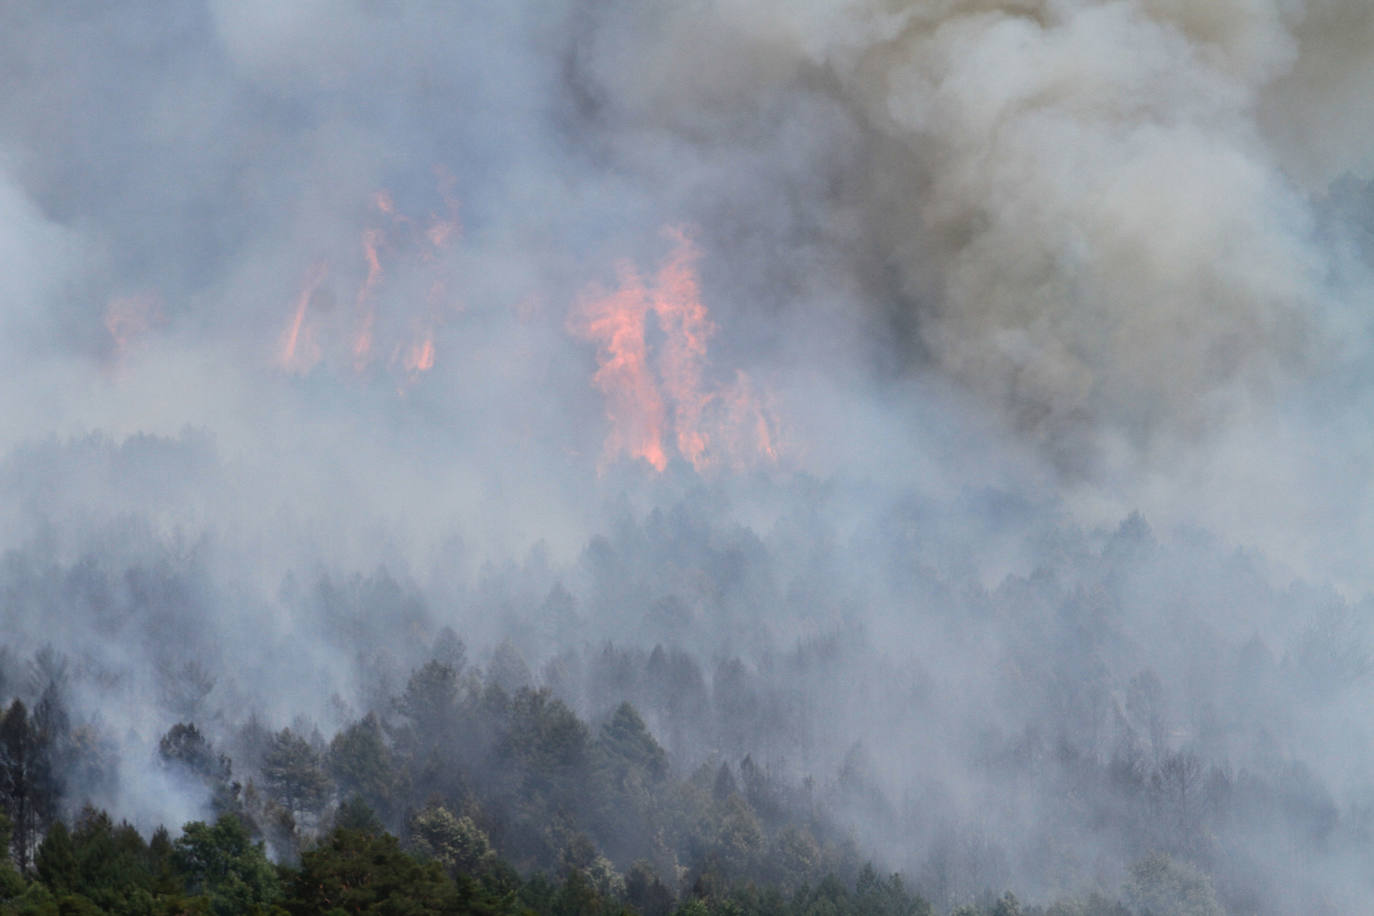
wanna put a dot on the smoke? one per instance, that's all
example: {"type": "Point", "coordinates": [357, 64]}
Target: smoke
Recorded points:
{"type": "Point", "coordinates": [744, 324]}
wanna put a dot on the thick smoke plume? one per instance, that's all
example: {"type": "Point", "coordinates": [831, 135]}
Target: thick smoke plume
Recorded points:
{"type": "Point", "coordinates": [832, 346]}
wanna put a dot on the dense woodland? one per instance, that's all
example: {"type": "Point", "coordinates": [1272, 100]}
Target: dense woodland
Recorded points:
{"type": "Point", "coordinates": [504, 803]}
{"type": "Point", "coordinates": [697, 714]}
{"type": "Point", "coordinates": [740, 456]}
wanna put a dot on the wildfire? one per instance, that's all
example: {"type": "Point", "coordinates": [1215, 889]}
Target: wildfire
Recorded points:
{"type": "Point", "coordinates": [440, 231]}
{"type": "Point", "coordinates": [392, 239]}
{"type": "Point", "coordinates": [299, 351]}
{"type": "Point", "coordinates": [708, 426]}
{"type": "Point", "coordinates": [420, 356]}
{"type": "Point", "coordinates": [126, 319]}
{"type": "Point", "coordinates": [635, 408]}
{"type": "Point", "coordinates": [367, 317]}
{"type": "Point", "coordinates": [686, 327]}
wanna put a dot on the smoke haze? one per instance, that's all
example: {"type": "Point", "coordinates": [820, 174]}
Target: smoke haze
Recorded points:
{"type": "Point", "coordinates": [834, 344]}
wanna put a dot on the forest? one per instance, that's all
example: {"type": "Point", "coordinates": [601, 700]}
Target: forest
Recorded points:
{"type": "Point", "coordinates": [565, 821]}
{"type": "Point", "coordinates": [1043, 740]}
{"type": "Point", "coordinates": [737, 456]}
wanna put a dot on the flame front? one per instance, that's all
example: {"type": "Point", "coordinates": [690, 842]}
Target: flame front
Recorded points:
{"type": "Point", "coordinates": [367, 317]}
{"type": "Point", "coordinates": [708, 427]}
{"type": "Point", "coordinates": [420, 356]}
{"type": "Point", "coordinates": [635, 408]}
{"type": "Point", "coordinates": [686, 328]}
{"type": "Point", "coordinates": [298, 351]}
{"type": "Point", "coordinates": [126, 319]}
{"type": "Point", "coordinates": [314, 334]}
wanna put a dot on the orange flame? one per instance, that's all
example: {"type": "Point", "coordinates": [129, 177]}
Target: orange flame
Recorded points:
{"type": "Point", "coordinates": [362, 340]}
{"type": "Point", "coordinates": [128, 318]}
{"type": "Point", "coordinates": [297, 354]}
{"type": "Point", "coordinates": [753, 424]}
{"type": "Point", "coordinates": [391, 242]}
{"type": "Point", "coordinates": [616, 322]}
{"type": "Point", "coordinates": [686, 327]}
{"type": "Point", "coordinates": [420, 356]}
{"type": "Point", "coordinates": [440, 231]}
{"type": "Point", "coordinates": [708, 427]}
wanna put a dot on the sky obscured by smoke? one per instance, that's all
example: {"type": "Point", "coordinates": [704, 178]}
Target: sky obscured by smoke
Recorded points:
{"type": "Point", "coordinates": [1095, 257]}
{"type": "Point", "coordinates": [1124, 241]}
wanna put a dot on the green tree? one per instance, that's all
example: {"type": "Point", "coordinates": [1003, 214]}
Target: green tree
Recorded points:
{"type": "Point", "coordinates": [185, 747]}
{"type": "Point", "coordinates": [886, 896]}
{"type": "Point", "coordinates": [645, 892]}
{"type": "Point", "coordinates": [454, 842]}
{"type": "Point", "coordinates": [738, 844]}
{"type": "Point", "coordinates": [1160, 886]}
{"type": "Point", "coordinates": [56, 860]}
{"type": "Point", "coordinates": [186, 751]}
{"type": "Point", "coordinates": [630, 750]}
{"type": "Point", "coordinates": [19, 766]}
{"type": "Point", "coordinates": [430, 702]}
{"type": "Point", "coordinates": [577, 897]}
{"type": "Point", "coordinates": [294, 774]}
{"type": "Point", "coordinates": [222, 863]}
{"type": "Point", "coordinates": [357, 814]}
{"type": "Point", "coordinates": [794, 859]}
{"type": "Point", "coordinates": [546, 738]}
{"type": "Point", "coordinates": [362, 765]}
{"type": "Point", "coordinates": [354, 872]}
{"type": "Point", "coordinates": [11, 882]}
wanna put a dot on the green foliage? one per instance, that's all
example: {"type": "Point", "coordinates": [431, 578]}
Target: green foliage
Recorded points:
{"type": "Point", "coordinates": [222, 863]}
{"type": "Point", "coordinates": [645, 892]}
{"type": "Point", "coordinates": [354, 872]}
{"type": "Point", "coordinates": [630, 751]}
{"type": "Point", "coordinates": [540, 791]}
{"type": "Point", "coordinates": [56, 860]}
{"type": "Point", "coordinates": [1092, 905]}
{"type": "Point", "coordinates": [357, 814]}
{"type": "Point", "coordinates": [185, 746]}
{"type": "Point", "coordinates": [739, 843]}
{"type": "Point", "coordinates": [577, 897]}
{"type": "Point", "coordinates": [887, 896]}
{"type": "Point", "coordinates": [545, 737]}
{"type": "Point", "coordinates": [1160, 886]}
{"type": "Point", "coordinates": [456, 843]}
{"type": "Point", "coordinates": [430, 700]}
{"type": "Point", "coordinates": [362, 765]}
{"type": "Point", "coordinates": [294, 774]}
{"type": "Point", "coordinates": [11, 882]}
{"type": "Point", "coordinates": [1007, 905]}
{"type": "Point", "coordinates": [98, 867]}
{"type": "Point", "coordinates": [19, 767]}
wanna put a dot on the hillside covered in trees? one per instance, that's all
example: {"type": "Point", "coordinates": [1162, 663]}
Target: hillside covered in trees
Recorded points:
{"type": "Point", "coordinates": [643, 720]}
{"type": "Point", "coordinates": [737, 456]}
{"type": "Point", "coordinates": [565, 822]}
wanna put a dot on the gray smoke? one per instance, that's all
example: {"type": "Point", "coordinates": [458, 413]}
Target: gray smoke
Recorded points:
{"type": "Point", "coordinates": [1002, 273]}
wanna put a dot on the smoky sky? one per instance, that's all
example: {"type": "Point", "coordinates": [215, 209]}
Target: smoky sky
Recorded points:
{"type": "Point", "coordinates": [292, 293]}
{"type": "Point", "coordinates": [1114, 249]}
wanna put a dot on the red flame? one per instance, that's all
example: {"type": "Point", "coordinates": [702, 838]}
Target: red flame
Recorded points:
{"type": "Point", "coordinates": [440, 231]}
{"type": "Point", "coordinates": [686, 328]}
{"type": "Point", "coordinates": [362, 340]}
{"type": "Point", "coordinates": [298, 350]}
{"type": "Point", "coordinates": [751, 422]}
{"type": "Point", "coordinates": [393, 242]}
{"type": "Point", "coordinates": [420, 356]}
{"type": "Point", "coordinates": [128, 318]}
{"type": "Point", "coordinates": [708, 427]}
{"type": "Point", "coordinates": [616, 321]}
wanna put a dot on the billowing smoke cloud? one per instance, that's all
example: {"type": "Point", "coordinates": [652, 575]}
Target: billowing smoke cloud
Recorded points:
{"type": "Point", "coordinates": [1074, 209]}
{"type": "Point", "coordinates": [733, 326]}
